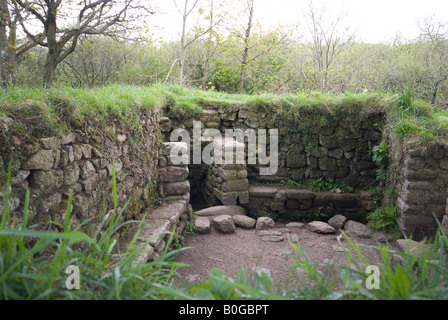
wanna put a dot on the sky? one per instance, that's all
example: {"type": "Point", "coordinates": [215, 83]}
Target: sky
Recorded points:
{"type": "Point", "coordinates": [374, 20]}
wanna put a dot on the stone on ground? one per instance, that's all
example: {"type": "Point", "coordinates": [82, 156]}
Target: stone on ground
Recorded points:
{"type": "Point", "coordinates": [264, 223]}
{"type": "Point", "coordinates": [272, 238]}
{"type": "Point", "coordinates": [320, 227]}
{"type": "Point", "coordinates": [338, 221]}
{"type": "Point", "coordinates": [357, 230]}
{"type": "Point", "coordinates": [244, 221]}
{"type": "Point", "coordinates": [412, 247]}
{"type": "Point", "coordinates": [270, 233]}
{"type": "Point", "coordinates": [224, 223]}
{"type": "Point", "coordinates": [297, 225]}
{"type": "Point", "coordinates": [383, 237]}
{"type": "Point", "coordinates": [221, 210]}
{"type": "Point", "coordinates": [202, 225]}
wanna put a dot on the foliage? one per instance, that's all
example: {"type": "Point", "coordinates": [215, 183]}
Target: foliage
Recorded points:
{"type": "Point", "coordinates": [384, 219]}
{"type": "Point", "coordinates": [262, 212]}
{"type": "Point", "coordinates": [37, 270]}
{"type": "Point", "coordinates": [328, 184]}
{"type": "Point", "coordinates": [291, 184]}
{"type": "Point", "coordinates": [189, 228]}
{"type": "Point", "coordinates": [381, 154]}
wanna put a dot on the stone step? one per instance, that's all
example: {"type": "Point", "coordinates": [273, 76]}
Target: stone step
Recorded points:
{"type": "Point", "coordinates": [157, 225]}
{"type": "Point", "coordinates": [221, 210]}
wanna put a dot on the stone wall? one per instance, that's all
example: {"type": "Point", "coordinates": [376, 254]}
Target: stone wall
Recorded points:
{"type": "Point", "coordinates": [303, 205]}
{"type": "Point", "coordinates": [422, 187]}
{"type": "Point", "coordinates": [321, 143]}
{"type": "Point", "coordinates": [51, 165]}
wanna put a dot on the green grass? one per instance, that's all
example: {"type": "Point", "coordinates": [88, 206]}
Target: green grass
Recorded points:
{"type": "Point", "coordinates": [33, 263]}
{"type": "Point", "coordinates": [409, 117]}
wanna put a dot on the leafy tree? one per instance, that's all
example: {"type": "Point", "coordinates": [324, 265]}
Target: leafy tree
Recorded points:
{"type": "Point", "coordinates": [100, 17]}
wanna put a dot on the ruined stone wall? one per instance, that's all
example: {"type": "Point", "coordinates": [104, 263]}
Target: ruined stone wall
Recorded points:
{"type": "Point", "coordinates": [422, 187]}
{"type": "Point", "coordinates": [51, 165]}
{"type": "Point", "coordinates": [321, 143]}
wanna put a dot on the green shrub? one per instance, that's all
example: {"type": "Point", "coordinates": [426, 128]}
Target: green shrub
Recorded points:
{"type": "Point", "coordinates": [329, 185]}
{"type": "Point", "coordinates": [384, 219]}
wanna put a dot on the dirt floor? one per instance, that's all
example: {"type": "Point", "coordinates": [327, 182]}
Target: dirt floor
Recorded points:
{"type": "Point", "coordinates": [244, 249]}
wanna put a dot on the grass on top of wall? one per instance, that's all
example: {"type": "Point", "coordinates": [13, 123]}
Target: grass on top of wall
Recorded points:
{"type": "Point", "coordinates": [52, 108]}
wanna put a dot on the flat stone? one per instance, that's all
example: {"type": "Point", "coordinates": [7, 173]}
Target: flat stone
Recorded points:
{"type": "Point", "coordinates": [382, 237]}
{"type": "Point", "coordinates": [154, 230]}
{"type": "Point", "coordinates": [202, 225]}
{"type": "Point", "coordinates": [272, 238]}
{"type": "Point", "coordinates": [71, 137]}
{"type": "Point", "coordinates": [170, 211]}
{"type": "Point", "coordinates": [43, 160]}
{"type": "Point", "coordinates": [173, 174]}
{"type": "Point", "coordinates": [410, 246]}
{"type": "Point", "coordinates": [176, 188]}
{"type": "Point", "coordinates": [224, 223]}
{"type": "Point", "coordinates": [264, 223]}
{"type": "Point", "coordinates": [245, 222]}
{"type": "Point", "coordinates": [300, 194]}
{"type": "Point", "coordinates": [320, 227]}
{"type": "Point", "coordinates": [48, 181]}
{"type": "Point", "coordinates": [263, 191]}
{"type": "Point", "coordinates": [272, 232]}
{"type": "Point", "coordinates": [49, 143]}
{"type": "Point", "coordinates": [338, 221]}
{"type": "Point", "coordinates": [338, 248]}
{"type": "Point", "coordinates": [343, 200]}
{"type": "Point", "coordinates": [357, 230]}
{"type": "Point", "coordinates": [221, 210]}
{"type": "Point", "coordinates": [235, 185]}
{"type": "Point", "coordinates": [297, 225]}
{"type": "Point", "coordinates": [282, 230]}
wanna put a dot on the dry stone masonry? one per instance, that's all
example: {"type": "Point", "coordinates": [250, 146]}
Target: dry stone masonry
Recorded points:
{"type": "Point", "coordinates": [52, 166]}
{"type": "Point", "coordinates": [227, 182]}
{"type": "Point", "coordinates": [423, 192]}
{"type": "Point", "coordinates": [315, 143]}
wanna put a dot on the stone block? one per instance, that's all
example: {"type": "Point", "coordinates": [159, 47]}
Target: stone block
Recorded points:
{"type": "Point", "coordinates": [343, 200]}
{"type": "Point", "coordinates": [43, 160]}
{"type": "Point", "coordinates": [263, 191]}
{"type": "Point", "coordinates": [224, 223]}
{"type": "Point", "coordinates": [235, 185]}
{"type": "Point", "coordinates": [173, 174]}
{"type": "Point", "coordinates": [295, 194]}
{"type": "Point", "coordinates": [176, 188]}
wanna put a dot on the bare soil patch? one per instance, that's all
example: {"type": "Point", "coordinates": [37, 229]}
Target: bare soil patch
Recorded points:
{"type": "Point", "coordinates": [244, 249]}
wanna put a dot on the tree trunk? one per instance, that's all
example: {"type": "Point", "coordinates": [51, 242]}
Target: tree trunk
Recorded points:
{"type": "Point", "coordinates": [183, 48]}
{"type": "Point", "coordinates": [51, 60]}
{"type": "Point", "coordinates": [246, 48]}
{"type": "Point", "coordinates": [208, 53]}
{"type": "Point", "coordinates": [6, 57]}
